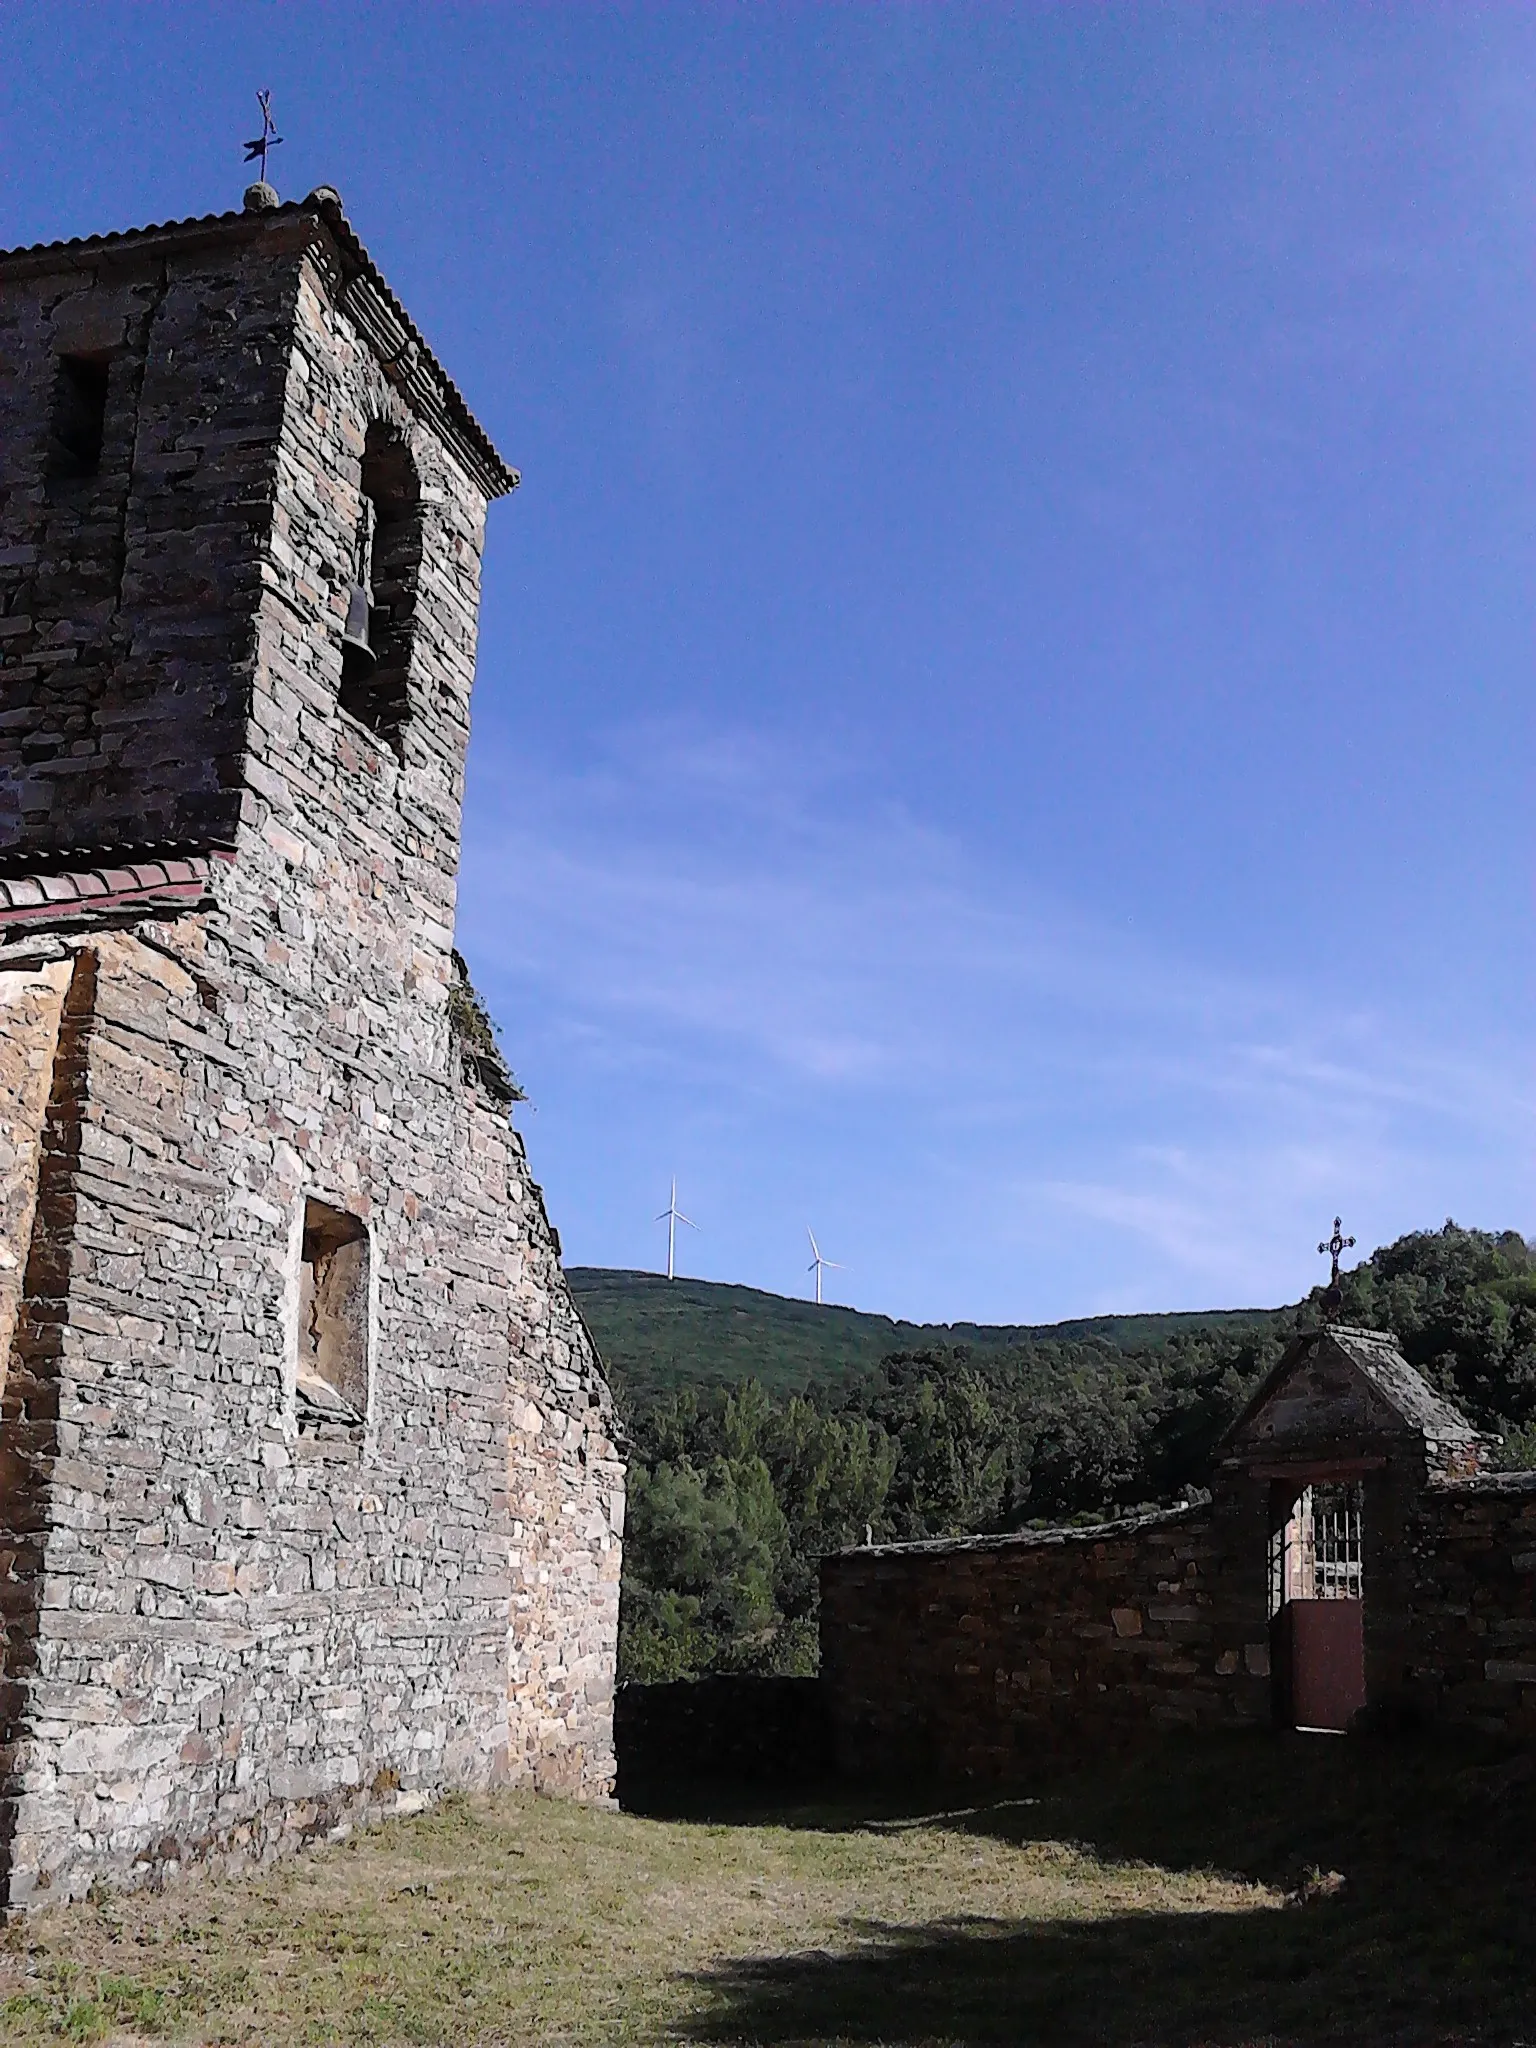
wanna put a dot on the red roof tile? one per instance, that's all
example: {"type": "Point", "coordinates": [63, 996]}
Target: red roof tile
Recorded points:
{"type": "Point", "coordinates": [69, 894]}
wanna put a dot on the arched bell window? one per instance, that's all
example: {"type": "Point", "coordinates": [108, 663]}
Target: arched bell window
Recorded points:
{"type": "Point", "coordinates": [381, 608]}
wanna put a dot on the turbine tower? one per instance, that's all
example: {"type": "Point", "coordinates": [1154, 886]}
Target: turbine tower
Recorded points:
{"type": "Point", "coordinates": [672, 1216]}
{"type": "Point", "coordinates": [817, 1262]}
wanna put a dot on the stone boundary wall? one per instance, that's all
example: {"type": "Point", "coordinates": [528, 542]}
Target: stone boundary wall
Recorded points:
{"type": "Point", "coordinates": [1472, 1605]}
{"type": "Point", "coordinates": [968, 1657]}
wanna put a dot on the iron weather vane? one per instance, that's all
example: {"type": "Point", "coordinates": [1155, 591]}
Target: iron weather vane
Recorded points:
{"type": "Point", "coordinates": [267, 139]}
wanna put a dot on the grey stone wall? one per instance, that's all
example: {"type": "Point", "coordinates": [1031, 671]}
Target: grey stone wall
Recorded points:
{"type": "Point", "coordinates": [127, 596]}
{"type": "Point", "coordinates": [231, 1623]}
{"type": "Point", "coordinates": [1470, 1641]}
{"type": "Point", "coordinates": [974, 1657]}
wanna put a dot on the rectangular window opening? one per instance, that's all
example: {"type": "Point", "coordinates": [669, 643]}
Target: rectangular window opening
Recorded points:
{"type": "Point", "coordinates": [332, 1379]}
{"type": "Point", "coordinates": [79, 416]}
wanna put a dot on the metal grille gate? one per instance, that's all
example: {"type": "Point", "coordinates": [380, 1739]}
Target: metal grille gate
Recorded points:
{"type": "Point", "coordinates": [1318, 1554]}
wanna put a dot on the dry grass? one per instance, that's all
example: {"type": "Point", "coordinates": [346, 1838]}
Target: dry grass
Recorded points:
{"type": "Point", "coordinates": [1136, 1905]}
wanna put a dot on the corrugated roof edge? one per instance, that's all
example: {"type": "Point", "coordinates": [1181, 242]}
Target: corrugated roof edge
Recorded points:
{"type": "Point", "coordinates": [491, 471]}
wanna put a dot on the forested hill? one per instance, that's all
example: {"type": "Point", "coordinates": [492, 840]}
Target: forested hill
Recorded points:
{"type": "Point", "coordinates": [764, 1433]}
{"type": "Point", "coordinates": [657, 1334]}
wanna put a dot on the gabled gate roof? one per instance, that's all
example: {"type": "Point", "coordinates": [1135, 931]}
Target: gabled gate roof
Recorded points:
{"type": "Point", "coordinates": [1392, 1398]}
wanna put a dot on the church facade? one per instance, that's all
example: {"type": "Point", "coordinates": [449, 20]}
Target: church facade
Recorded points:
{"type": "Point", "coordinates": [310, 1497]}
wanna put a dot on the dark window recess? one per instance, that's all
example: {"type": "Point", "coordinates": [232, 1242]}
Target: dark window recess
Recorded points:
{"type": "Point", "coordinates": [333, 1319]}
{"type": "Point", "coordinates": [79, 416]}
{"type": "Point", "coordinates": [376, 642]}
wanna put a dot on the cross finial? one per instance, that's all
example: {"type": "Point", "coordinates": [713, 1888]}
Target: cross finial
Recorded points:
{"type": "Point", "coordinates": [1332, 1246]}
{"type": "Point", "coordinates": [267, 139]}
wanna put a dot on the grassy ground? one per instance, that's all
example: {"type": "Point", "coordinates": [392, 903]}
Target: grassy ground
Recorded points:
{"type": "Point", "coordinates": [1299, 1892]}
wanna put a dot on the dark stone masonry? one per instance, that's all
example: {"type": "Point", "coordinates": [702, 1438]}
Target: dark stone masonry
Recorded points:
{"type": "Point", "coordinates": [1354, 1567]}
{"type": "Point", "coordinates": [309, 1496]}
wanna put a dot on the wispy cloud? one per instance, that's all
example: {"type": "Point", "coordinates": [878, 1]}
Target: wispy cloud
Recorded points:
{"type": "Point", "coordinates": [818, 969]}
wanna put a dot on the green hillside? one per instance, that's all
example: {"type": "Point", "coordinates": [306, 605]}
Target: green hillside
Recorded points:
{"type": "Point", "coordinates": [656, 1334]}
{"type": "Point", "coordinates": [762, 1433]}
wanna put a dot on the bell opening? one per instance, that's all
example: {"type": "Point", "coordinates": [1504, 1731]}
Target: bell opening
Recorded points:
{"type": "Point", "coordinates": [381, 598]}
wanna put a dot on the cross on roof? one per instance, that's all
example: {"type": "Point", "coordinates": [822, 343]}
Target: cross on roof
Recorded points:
{"type": "Point", "coordinates": [1332, 1246]}
{"type": "Point", "coordinates": [267, 139]}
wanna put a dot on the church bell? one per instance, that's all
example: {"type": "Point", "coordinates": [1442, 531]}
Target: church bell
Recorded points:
{"type": "Point", "coordinates": [354, 635]}
{"type": "Point", "coordinates": [358, 657]}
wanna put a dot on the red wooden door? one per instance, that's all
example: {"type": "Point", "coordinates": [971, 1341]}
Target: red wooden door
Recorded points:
{"type": "Point", "coordinates": [1327, 1661]}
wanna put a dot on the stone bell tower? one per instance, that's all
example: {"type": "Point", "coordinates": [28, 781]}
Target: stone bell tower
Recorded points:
{"type": "Point", "coordinates": [212, 434]}
{"type": "Point", "coordinates": [309, 1498]}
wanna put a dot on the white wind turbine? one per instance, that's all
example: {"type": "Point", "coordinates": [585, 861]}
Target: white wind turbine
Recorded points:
{"type": "Point", "coordinates": [817, 1262]}
{"type": "Point", "coordinates": [672, 1216]}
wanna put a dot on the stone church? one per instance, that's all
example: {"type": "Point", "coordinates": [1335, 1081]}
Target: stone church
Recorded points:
{"type": "Point", "coordinates": [310, 1501]}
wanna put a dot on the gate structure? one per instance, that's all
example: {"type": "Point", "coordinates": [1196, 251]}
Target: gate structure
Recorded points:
{"type": "Point", "coordinates": [1317, 1592]}
{"type": "Point", "coordinates": [1353, 1555]}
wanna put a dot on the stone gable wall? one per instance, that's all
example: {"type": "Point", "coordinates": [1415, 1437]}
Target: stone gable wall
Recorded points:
{"type": "Point", "coordinates": [1322, 1402]}
{"type": "Point", "coordinates": [231, 1631]}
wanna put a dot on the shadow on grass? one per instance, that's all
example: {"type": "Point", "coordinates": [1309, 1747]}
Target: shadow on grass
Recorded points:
{"type": "Point", "coordinates": [1427, 1939]}
{"type": "Point", "coordinates": [1177, 1980]}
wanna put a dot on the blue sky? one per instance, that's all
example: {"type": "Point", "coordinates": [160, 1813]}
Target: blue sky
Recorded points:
{"type": "Point", "coordinates": [1004, 719]}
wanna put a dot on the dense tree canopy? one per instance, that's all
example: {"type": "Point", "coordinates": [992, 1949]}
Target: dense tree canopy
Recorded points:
{"type": "Point", "coordinates": [735, 1493]}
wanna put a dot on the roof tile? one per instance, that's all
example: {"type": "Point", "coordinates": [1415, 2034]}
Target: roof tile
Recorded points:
{"type": "Point", "coordinates": [178, 882]}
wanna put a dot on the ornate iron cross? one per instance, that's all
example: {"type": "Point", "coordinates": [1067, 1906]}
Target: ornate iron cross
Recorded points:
{"type": "Point", "coordinates": [1331, 1247]}
{"type": "Point", "coordinates": [267, 139]}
